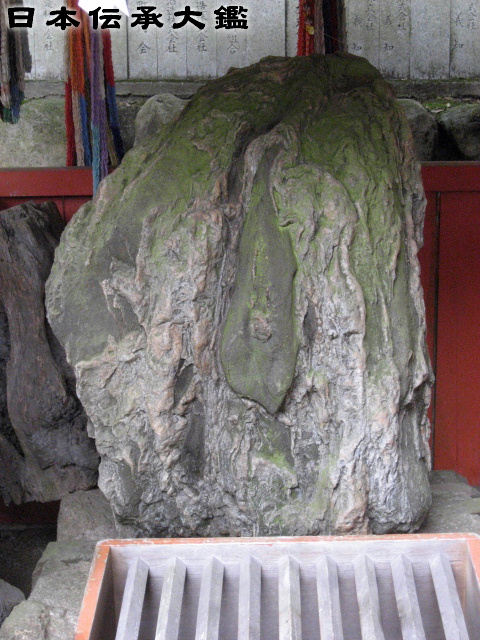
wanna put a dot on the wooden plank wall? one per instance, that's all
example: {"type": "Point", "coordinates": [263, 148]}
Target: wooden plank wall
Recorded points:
{"type": "Point", "coordinates": [418, 39]}
{"type": "Point", "coordinates": [167, 53]}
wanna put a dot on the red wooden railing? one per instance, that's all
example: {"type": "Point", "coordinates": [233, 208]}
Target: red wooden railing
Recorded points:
{"type": "Point", "coordinates": [68, 187]}
{"type": "Point", "coordinates": [450, 261]}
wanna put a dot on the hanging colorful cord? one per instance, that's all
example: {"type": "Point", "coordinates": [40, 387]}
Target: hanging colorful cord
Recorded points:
{"type": "Point", "coordinates": [318, 27]}
{"type": "Point", "coordinates": [93, 132]}
{"type": "Point", "coordinates": [15, 60]}
{"type": "Point", "coordinates": [306, 29]}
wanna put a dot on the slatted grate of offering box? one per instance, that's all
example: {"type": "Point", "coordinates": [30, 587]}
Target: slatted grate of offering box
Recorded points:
{"type": "Point", "coordinates": [411, 587]}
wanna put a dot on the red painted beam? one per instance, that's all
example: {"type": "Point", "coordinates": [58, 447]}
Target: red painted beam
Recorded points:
{"type": "Point", "coordinates": [41, 183]}
{"type": "Point", "coordinates": [451, 176]}
{"type": "Point", "coordinates": [77, 181]}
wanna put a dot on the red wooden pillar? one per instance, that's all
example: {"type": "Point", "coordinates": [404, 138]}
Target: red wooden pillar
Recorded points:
{"type": "Point", "coordinates": [458, 341]}
{"type": "Point", "coordinates": [453, 252]}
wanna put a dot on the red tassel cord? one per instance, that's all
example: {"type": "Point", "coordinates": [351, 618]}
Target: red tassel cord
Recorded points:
{"type": "Point", "coordinates": [306, 21]}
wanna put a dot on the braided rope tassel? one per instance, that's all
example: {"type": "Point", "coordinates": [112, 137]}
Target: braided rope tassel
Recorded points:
{"type": "Point", "coordinates": [111, 97]}
{"type": "Point", "coordinates": [93, 134]}
{"type": "Point", "coordinates": [12, 69]}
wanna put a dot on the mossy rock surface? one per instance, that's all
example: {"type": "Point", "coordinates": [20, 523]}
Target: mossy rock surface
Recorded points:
{"type": "Point", "coordinates": [242, 306]}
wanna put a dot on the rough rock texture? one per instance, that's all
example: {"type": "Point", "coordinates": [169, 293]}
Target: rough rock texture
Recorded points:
{"type": "Point", "coordinates": [156, 112]}
{"type": "Point", "coordinates": [9, 597]}
{"type": "Point", "coordinates": [242, 306]}
{"type": "Point", "coordinates": [462, 125]}
{"type": "Point", "coordinates": [45, 451]}
{"type": "Point", "coordinates": [86, 515]}
{"type": "Point", "coordinates": [424, 128]}
{"type": "Point", "coordinates": [38, 140]}
{"type": "Point", "coordinates": [51, 611]}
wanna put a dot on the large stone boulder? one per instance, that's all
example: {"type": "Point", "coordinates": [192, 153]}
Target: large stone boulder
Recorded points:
{"type": "Point", "coordinates": [45, 451]}
{"type": "Point", "coordinates": [242, 306]}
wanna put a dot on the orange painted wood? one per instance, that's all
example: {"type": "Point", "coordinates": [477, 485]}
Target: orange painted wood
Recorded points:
{"type": "Point", "coordinates": [456, 190]}
{"type": "Point", "coordinates": [461, 549]}
{"type": "Point", "coordinates": [93, 592]}
{"type": "Point", "coordinates": [61, 181]}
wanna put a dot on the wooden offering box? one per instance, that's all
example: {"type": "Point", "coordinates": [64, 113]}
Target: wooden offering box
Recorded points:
{"type": "Point", "coordinates": [397, 587]}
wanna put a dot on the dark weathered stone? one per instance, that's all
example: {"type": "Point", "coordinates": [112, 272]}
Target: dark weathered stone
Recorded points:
{"type": "Point", "coordinates": [242, 306]}
{"type": "Point", "coordinates": [424, 129]}
{"type": "Point", "coordinates": [21, 547]}
{"type": "Point", "coordinates": [45, 451]}
{"type": "Point", "coordinates": [462, 125]}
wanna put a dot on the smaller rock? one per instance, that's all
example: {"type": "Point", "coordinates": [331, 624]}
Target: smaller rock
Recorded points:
{"type": "Point", "coordinates": [10, 596]}
{"type": "Point", "coordinates": [86, 515]}
{"type": "Point", "coordinates": [424, 128]}
{"type": "Point", "coordinates": [156, 112]}
{"type": "Point", "coordinates": [45, 450]}
{"type": "Point", "coordinates": [462, 125]}
{"type": "Point", "coordinates": [51, 611]}
{"type": "Point", "coordinates": [28, 621]}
